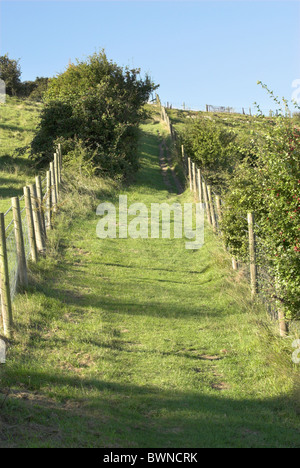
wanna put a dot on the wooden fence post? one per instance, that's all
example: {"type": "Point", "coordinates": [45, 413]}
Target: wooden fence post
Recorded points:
{"type": "Point", "coordinates": [283, 329]}
{"type": "Point", "coordinates": [58, 167]}
{"type": "Point", "coordinates": [199, 183]}
{"type": "Point", "coordinates": [53, 183]}
{"type": "Point", "coordinates": [212, 208]}
{"type": "Point", "coordinates": [60, 161]}
{"type": "Point", "coordinates": [6, 307]}
{"type": "Point", "coordinates": [48, 201]}
{"type": "Point", "coordinates": [194, 178]}
{"type": "Point", "coordinates": [183, 159]}
{"type": "Point", "coordinates": [30, 223]}
{"type": "Point", "coordinates": [206, 202]}
{"type": "Point", "coordinates": [39, 192]}
{"type": "Point", "coordinates": [252, 253]}
{"type": "Point", "coordinates": [56, 170]}
{"type": "Point", "coordinates": [190, 173]}
{"type": "Point", "coordinates": [219, 209]}
{"type": "Point", "coordinates": [22, 266]}
{"type": "Point", "coordinates": [235, 265]}
{"type": "Point", "coordinates": [40, 241]}
{"type": "Point", "coordinates": [219, 213]}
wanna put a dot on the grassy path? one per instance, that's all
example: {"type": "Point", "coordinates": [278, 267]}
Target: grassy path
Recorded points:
{"type": "Point", "coordinates": [141, 343]}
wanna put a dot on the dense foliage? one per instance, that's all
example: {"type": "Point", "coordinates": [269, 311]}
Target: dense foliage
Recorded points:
{"type": "Point", "coordinates": [10, 73]}
{"type": "Point", "coordinates": [271, 189]}
{"type": "Point", "coordinates": [217, 148]}
{"type": "Point", "coordinates": [99, 104]}
{"type": "Point", "coordinates": [261, 174]}
{"type": "Point", "coordinates": [34, 90]}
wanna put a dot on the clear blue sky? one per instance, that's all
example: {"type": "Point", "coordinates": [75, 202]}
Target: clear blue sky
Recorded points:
{"type": "Point", "coordinates": [200, 52]}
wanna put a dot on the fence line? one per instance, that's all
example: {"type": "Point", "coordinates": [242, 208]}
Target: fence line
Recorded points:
{"type": "Point", "coordinates": [230, 110]}
{"type": "Point", "coordinates": [258, 275]}
{"type": "Point", "coordinates": [244, 111]}
{"type": "Point", "coordinates": [23, 234]}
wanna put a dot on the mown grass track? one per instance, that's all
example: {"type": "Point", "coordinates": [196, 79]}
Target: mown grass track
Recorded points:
{"type": "Point", "coordinates": [141, 343]}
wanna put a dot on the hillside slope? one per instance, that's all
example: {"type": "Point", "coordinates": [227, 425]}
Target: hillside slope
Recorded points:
{"type": "Point", "coordinates": [18, 121]}
{"type": "Point", "coordinates": [140, 342]}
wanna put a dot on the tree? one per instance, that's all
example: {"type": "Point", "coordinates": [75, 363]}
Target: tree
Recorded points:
{"type": "Point", "coordinates": [99, 103]}
{"type": "Point", "coordinates": [34, 90]}
{"type": "Point", "coordinates": [10, 73]}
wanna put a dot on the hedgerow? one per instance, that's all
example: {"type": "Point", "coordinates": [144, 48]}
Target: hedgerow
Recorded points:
{"type": "Point", "coordinates": [261, 176]}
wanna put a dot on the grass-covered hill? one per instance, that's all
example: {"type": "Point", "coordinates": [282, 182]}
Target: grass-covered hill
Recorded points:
{"type": "Point", "coordinates": [18, 122]}
{"type": "Point", "coordinates": [140, 343]}
{"type": "Point", "coordinates": [253, 162]}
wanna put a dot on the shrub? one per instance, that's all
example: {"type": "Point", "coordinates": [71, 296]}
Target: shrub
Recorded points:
{"type": "Point", "coordinates": [258, 171]}
{"type": "Point", "coordinates": [216, 149]}
{"type": "Point", "coordinates": [99, 103]}
{"type": "Point", "coordinates": [10, 73]}
{"type": "Point", "coordinates": [271, 189]}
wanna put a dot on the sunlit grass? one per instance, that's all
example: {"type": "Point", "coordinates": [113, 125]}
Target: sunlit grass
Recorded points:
{"type": "Point", "coordinates": [18, 121]}
{"type": "Point", "coordinates": [141, 343]}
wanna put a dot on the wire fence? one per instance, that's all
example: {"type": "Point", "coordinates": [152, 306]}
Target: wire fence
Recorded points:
{"type": "Point", "coordinates": [250, 111]}
{"type": "Point", "coordinates": [255, 264]}
{"type": "Point", "coordinates": [23, 233]}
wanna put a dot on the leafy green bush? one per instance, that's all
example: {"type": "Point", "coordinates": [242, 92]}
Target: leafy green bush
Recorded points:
{"type": "Point", "coordinates": [78, 159]}
{"type": "Point", "coordinates": [99, 103]}
{"type": "Point", "coordinates": [210, 144]}
{"type": "Point", "coordinates": [271, 189]}
{"type": "Point", "coordinates": [216, 149]}
{"type": "Point", "coordinates": [258, 171]}
{"type": "Point", "coordinates": [10, 73]}
{"type": "Point", "coordinates": [39, 88]}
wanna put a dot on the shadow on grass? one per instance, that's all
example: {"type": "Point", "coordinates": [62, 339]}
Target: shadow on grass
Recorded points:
{"type": "Point", "coordinates": [8, 192]}
{"type": "Point", "coordinates": [13, 128]}
{"type": "Point", "coordinates": [119, 265]}
{"type": "Point", "coordinates": [169, 307]}
{"type": "Point", "coordinates": [10, 161]}
{"type": "Point", "coordinates": [90, 411]}
{"type": "Point", "coordinates": [110, 414]}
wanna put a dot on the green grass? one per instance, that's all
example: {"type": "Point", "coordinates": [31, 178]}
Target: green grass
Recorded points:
{"type": "Point", "coordinates": [246, 127]}
{"type": "Point", "coordinates": [18, 121]}
{"type": "Point", "coordinates": [141, 343]}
